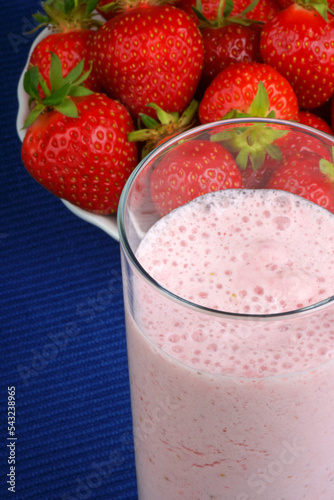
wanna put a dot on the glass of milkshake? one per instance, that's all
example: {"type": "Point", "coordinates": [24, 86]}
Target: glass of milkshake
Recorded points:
{"type": "Point", "coordinates": [227, 242]}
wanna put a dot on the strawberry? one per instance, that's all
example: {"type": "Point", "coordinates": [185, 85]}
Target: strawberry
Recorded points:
{"type": "Point", "coordinates": [303, 174]}
{"type": "Point", "coordinates": [295, 142]}
{"type": "Point", "coordinates": [236, 87]}
{"type": "Point", "coordinates": [279, 145]}
{"type": "Point", "coordinates": [312, 120]}
{"type": "Point", "coordinates": [261, 11]}
{"type": "Point", "coordinates": [260, 148]}
{"type": "Point", "coordinates": [227, 39]}
{"type": "Point", "coordinates": [76, 142]}
{"type": "Point", "coordinates": [190, 169]}
{"type": "Point", "coordinates": [255, 148]}
{"type": "Point", "coordinates": [226, 45]}
{"type": "Point", "coordinates": [71, 48]}
{"type": "Point", "coordinates": [149, 54]}
{"type": "Point", "coordinates": [298, 42]}
{"type": "Point", "coordinates": [70, 39]}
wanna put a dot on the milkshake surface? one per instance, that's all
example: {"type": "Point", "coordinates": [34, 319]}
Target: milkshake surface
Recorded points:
{"type": "Point", "coordinates": [235, 405]}
{"type": "Point", "coordinates": [251, 252]}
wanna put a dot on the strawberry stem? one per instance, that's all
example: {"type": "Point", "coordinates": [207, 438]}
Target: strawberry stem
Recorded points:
{"type": "Point", "coordinates": [169, 124]}
{"type": "Point", "coordinates": [224, 17]}
{"type": "Point", "coordinates": [327, 168]}
{"type": "Point", "coordinates": [251, 143]}
{"type": "Point", "coordinates": [124, 5]}
{"type": "Point", "coordinates": [320, 6]}
{"type": "Point", "coordinates": [259, 107]}
{"type": "Point", "coordinates": [220, 12]}
{"type": "Point", "coordinates": [67, 14]}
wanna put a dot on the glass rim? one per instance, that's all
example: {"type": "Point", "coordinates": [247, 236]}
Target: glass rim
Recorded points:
{"type": "Point", "coordinates": [125, 244]}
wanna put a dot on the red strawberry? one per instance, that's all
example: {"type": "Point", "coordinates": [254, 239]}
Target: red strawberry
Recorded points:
{"type": "Point", "coordinates": [288, 145]}
{"type": "Point", "coordinates": [312, 120]}
{"type": "Point", "coordinates": [295, 142]}
{"type": "Point", "coordinates": [298, 42]}
{"type": "Point", "coordinates": [70, 39]}
{"type": "Point", "coordinates": [305, 176]}
{"type": "Point", "coordinates": [255, 148]}
{"type": "Point", "coordinates": [227, 39]}
{"type": "Point", "coordinates": [71, 48]}
{"type": "Point", "coordinates": [236, 87]}
{"type": "Point", "coordinates": [149, 54]}
{"type": "Point", "coordinates": [263, 10]}
{"type": "Point", "coordinates": [226, 45]}
{"type": "Point", "coordinates": [191, 169]}
{"type": "Point", "coordinates": [77, 147]}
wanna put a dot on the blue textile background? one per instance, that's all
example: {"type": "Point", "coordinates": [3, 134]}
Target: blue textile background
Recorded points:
{"type": "Point", "coordinates": [62, 325]}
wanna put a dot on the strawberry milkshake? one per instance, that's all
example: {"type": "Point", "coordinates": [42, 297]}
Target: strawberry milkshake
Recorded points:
{"type": "Point", "coordinates": [234, 405]}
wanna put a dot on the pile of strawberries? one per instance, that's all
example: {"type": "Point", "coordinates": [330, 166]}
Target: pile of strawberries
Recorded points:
{"type": "Point", "coordinates": [105, 93]}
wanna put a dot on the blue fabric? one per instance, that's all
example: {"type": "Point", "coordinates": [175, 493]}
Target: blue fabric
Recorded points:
{"type": "Point", "coordinates": [62, 325]}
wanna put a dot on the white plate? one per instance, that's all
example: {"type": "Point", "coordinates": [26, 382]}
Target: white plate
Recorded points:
{"type": "Point", "coordinates": [107, 223]}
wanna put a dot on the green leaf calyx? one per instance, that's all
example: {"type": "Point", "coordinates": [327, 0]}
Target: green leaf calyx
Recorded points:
{"type": "Point", "coordinates": [59, 95]}
{"type": "Point", "coordinates": [152, 131]}
{"type": "Point", "coordinates": [251, 143]}
{"type": "Point", "coordinates": [224, 16]}
{"type": "Point", "coordinates": [66, 15]}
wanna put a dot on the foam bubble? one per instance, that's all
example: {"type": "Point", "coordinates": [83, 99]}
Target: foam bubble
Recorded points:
{"type": "Point", "coordinates": [282, 223]}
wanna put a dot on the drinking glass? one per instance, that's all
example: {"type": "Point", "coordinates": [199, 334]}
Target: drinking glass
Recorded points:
{"type": "Point", "coordinates": [218, 432]}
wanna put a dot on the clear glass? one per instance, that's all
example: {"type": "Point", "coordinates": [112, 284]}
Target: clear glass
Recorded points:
{"type": "Point", "coordinates": [203, 435]}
